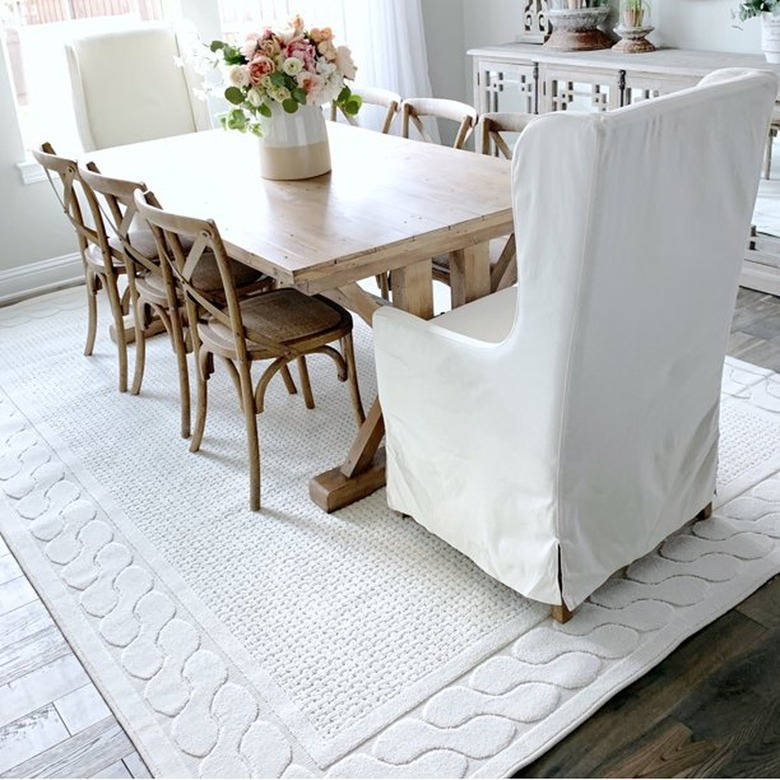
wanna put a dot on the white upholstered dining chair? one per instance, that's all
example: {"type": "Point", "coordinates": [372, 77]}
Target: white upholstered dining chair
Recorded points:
{"type": "Point", "coordinates": [128, 88]}
{"type": "Point", "coordinates": [558, 430]}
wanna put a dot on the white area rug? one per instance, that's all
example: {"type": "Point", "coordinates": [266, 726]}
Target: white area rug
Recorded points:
{"type": "Point", "coordinates": [296, 643]}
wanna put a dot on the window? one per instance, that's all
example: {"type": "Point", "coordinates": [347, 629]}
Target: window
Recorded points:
{"type": "Point", "coordinates": [32, 27]}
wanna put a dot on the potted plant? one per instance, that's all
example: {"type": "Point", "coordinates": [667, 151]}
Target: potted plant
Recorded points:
{"type": "Point", "coordinates": [769, 12]}
{"type": "Point", "coordinates": [747, 9]}
{"type": "Point", "coordinates": [632, 13]}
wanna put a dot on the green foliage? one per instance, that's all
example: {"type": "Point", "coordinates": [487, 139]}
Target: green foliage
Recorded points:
{"type": "Point", "coordinates": [747, 9]}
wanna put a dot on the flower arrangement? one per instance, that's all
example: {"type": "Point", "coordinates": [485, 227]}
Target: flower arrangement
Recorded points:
{"type": "Point", "coordinates": [290, 66]}
{"type": "Point", "coordinates": [747, 9]}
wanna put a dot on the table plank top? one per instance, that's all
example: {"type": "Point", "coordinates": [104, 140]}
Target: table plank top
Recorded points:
{"type": "Point", "coordinates": [388, 201]}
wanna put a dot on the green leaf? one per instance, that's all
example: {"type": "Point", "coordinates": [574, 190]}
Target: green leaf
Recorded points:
{"type": "Point", "coordinates": [344, 95]}
{"type": "Point", "coordinates": [351, 107]}
{"type": "Point", "coordinates": [234, 95]}
{"type": "Point", "coordinates": [278, 79]}
{"type": "Point", "coordinates": [234, 58]}
{"type": "Point", "coordinates": [290, 105]}
{"type": "Point", "coordinates": [299, 95]}
{"type": "Point", "coordinates": [217, 45]}
{"type": "Point", "coordinates": [236, 120]}
{"type": "Point", "coordinates": [264, 109]}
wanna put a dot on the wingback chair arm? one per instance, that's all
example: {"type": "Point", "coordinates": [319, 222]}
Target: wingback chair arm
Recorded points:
{"type": "Point", "coordinates": [430, 381]}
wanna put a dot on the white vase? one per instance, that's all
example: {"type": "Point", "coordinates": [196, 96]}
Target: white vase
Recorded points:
{"type": "Point", "coordinates": [295, 146]}
{"type": "Point", "coordinates": [770, 36]}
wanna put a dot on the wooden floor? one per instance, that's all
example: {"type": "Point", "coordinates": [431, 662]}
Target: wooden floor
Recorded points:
{"type": "Point", "coordinates": [711, 709]}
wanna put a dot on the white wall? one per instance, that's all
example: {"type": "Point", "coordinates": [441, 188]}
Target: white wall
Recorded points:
{"type": "Point", "coordinates": [32, 229]}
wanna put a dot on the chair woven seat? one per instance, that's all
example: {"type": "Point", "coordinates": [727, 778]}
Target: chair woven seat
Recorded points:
{"type": "Point", "coordinates": [285, 316]}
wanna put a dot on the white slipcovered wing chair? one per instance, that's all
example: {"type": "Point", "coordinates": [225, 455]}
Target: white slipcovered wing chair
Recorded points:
{"type": "Point", "coordinates": [127, 86]}
{"type": "Point", "coordinates": [558, 430]}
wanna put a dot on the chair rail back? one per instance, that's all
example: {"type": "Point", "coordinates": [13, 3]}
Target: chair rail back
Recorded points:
{"type": "Point", "coordinates": [413, 109]}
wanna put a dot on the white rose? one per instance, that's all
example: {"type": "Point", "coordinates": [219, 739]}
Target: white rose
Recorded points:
{"type": "Point", "coordinates": [280, 94]}
{"type": "Point", "coordinates": [254, 97]}
{"type": "Point", "coordinates": [292, 66]}
{"type": "Point", "coordinates": [239, 76]}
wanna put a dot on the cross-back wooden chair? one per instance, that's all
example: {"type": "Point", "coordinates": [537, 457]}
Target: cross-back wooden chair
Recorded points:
{"type": "Point", "coordinates": [413, 110]}
{"type": "Point", "coordinates": [154, 296]}
{"type": "Point", "coordinates": [372, 96]}
{"type": "Point", "coordinates": [496, 134]}
{"type": "Point", "coordinates": [281, 325]}
{"type": "Point", "coordinates": [134, 245]}
{"type": "Point", "coordinates": [102, 268]}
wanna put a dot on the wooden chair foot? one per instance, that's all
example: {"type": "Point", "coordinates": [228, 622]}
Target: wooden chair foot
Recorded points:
{"type": "Point", "coordinates": [705, 513]}
{"type": "Point", "coordinates": [561, 613]}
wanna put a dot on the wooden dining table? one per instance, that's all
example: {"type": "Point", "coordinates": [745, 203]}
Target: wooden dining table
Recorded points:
{"type": "Point", "coordinates": [389, 204]}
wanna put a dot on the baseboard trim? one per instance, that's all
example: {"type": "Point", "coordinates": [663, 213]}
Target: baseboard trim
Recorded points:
{"type": "Point", "coordinates": [41, 277]}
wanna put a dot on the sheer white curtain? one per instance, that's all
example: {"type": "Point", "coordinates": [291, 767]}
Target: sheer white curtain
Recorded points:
{"type": "Point", "coordinates": [387, 39]}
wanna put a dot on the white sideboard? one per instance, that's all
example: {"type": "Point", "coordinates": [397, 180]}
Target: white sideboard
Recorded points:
{"type": "Point", "coordinates": [527, 77]}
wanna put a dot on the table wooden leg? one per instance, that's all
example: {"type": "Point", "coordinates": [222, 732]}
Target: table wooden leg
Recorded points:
{"type": "Point", "coordinates": [469, 273]}
{"type": "Point", "coordinates": [363, 471]}
{"type": "Point", "coordinates": [413, 289]}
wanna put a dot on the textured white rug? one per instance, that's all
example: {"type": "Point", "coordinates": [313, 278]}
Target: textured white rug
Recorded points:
{"type": "Point", "coordinates": [297, 643]}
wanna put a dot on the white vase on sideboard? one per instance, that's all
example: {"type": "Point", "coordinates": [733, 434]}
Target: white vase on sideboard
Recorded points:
{"type": "Point", "coordinates": [770, 36]}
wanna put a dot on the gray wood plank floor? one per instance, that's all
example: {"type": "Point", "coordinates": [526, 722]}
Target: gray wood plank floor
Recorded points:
{"type": "Point", "coordinates": [675, 721]}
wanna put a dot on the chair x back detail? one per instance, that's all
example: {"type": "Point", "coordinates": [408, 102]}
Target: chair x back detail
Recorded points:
{"type": "Point", "coordinates": [280, 325]}
{"type": "Point", "coordinates": [103, 268]}
{"type": "Point", "coordinates": [373, 96]}
{"type": "Point", "coordinates": [413, 110]}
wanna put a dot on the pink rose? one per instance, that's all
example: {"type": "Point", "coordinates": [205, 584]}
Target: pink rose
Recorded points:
{"type": "Point", "coordinates": [302, 50]}
{"type": "Point", "coordinates": [259, 67]}
{"type": "Point", "coordinates": [269, 47]}
{"type": "Point", "coordinates": [311, 83]}
{"type": "Point", "coordinates": [327, 50]}
{"type": "Point", "coordinates": [321, 34]}
{"type": "Point", "coordinates": [249, 46]}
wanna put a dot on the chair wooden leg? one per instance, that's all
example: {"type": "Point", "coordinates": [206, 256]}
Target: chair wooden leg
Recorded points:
{"type": "Point", "coordinates": [121, 338]}
{"type": "Point", "coordinates": [352, 377]}
{"type": "Point", "coordinates": [139, 322]}
{"type": "Point", "coordinates": [705, 513]}
{"type": "Point", "coordinates": [180, 351]}
{"type": "Point", "coordinates": [91, 314]}
{"type": "Point", "coordinates": [252, 438]}
{"type": "Point", "coordinates": [383, 280]}
{"type": "Point", "coordinates": [203, 360]}
{"type": "Point", "coordinates": [289, 382]}
{"type": "Point", "coordinates": [561, 613]}
{"type": "Point", "coordinates": [768, 153]}
{"type": "Point", "coordinates": [303, 370]}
